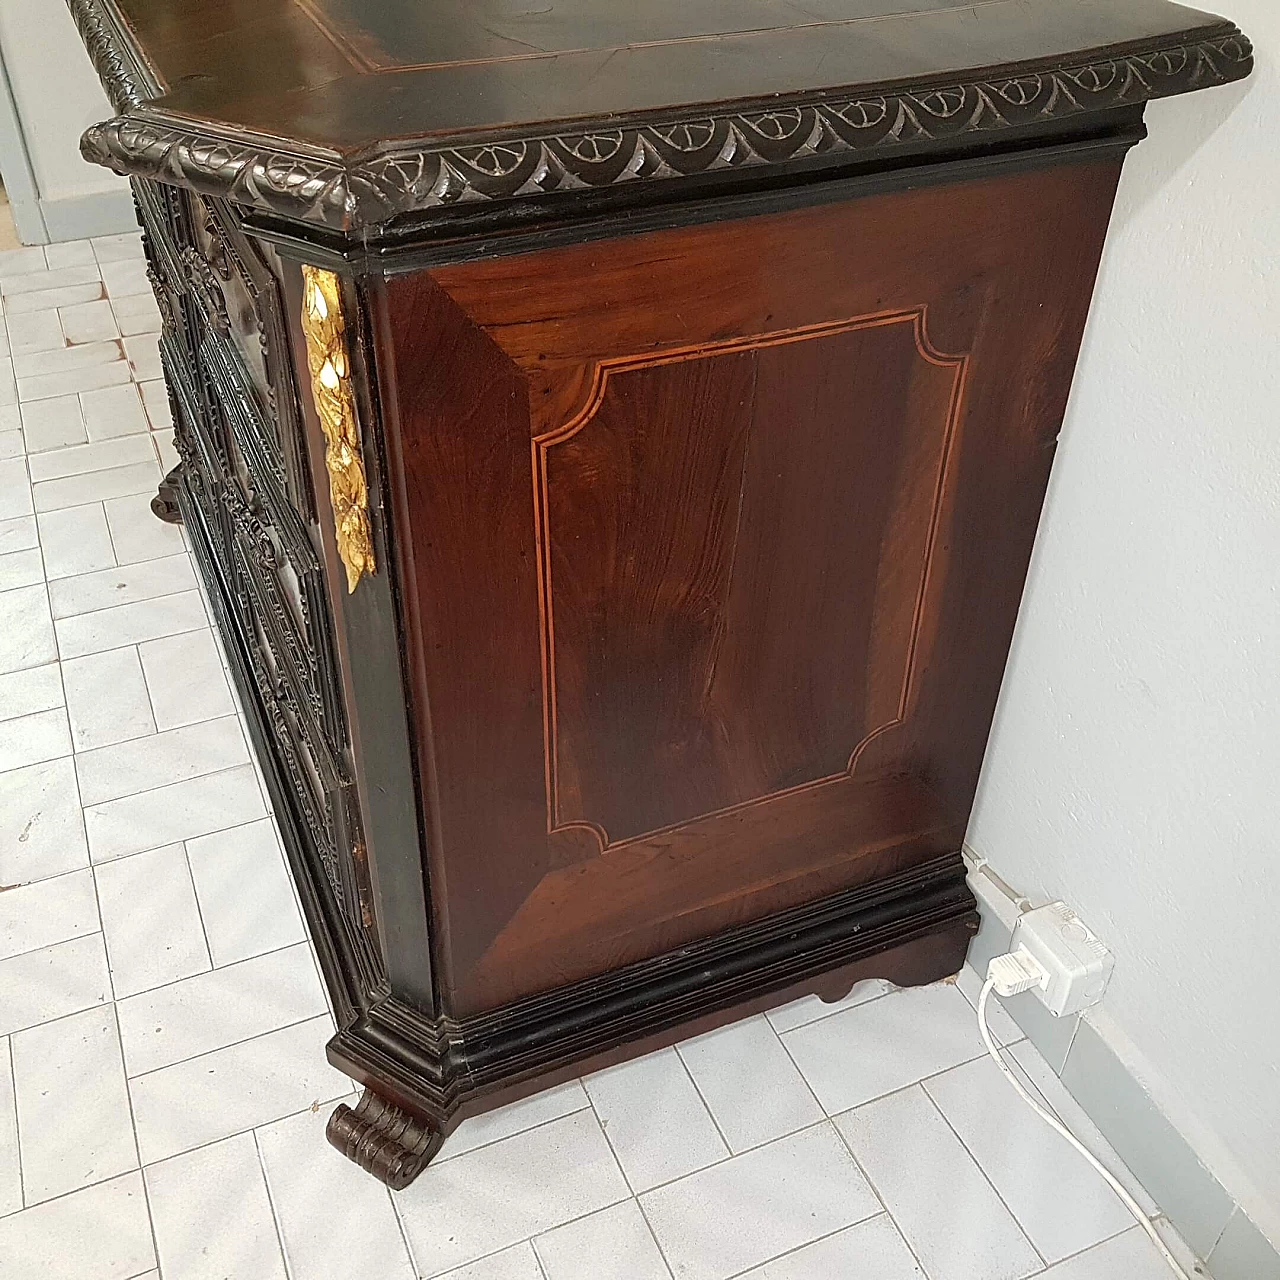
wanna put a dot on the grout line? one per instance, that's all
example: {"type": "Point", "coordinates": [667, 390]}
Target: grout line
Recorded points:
{"type": "Point", "coordinates": [232, 1044]}
{"type": "Point", "coordinates": [977, 1164]}
{"type": "Point", "coordinates": [17, 1131]}
{"type": "Point", "coordinates": [271, 1204]}
{"type": "Point", "coordinates": [195, 897]}
{"type": "Point", "coordinates": [875, 1191]}
{"type": "Point", "coordinates": [706, 1106]}
{"type": "Point", "coordinates": [789, 1253]}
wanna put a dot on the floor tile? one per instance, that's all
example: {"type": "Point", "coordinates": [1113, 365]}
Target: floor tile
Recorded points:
{"type": "Point", "coordinates": [65, 382]}
{"type": "Point", "coordinates": [749, 1082]}
{"type": "Point", "coordinates": [141, 764]}
{"type": "Point", "coordinates": [166, 450]}
{"type": "Point", "coordinates": [10, 1165]}
{"type": "Point", "coordinates": [871, 1250]}
{"type": "Point", "coordinates": [12, 444]}
{"type": "Point", "coordinates": [53, 423]}
{"type": "Point", "coordinates": [953, 1220]}
{"type": "Point", "coordinates": [127, 584]}
{"type": "Point", "coordinates": [1130, 1256]}
{"type": "Point", "coordinates": [16, 262]}
{"type": "Point", "coordinates": [516, 1263]}
{"type": "Point", "coordinates": [101, 1232]}
{"type": "Point", "coordinates": [143, 352]}
{"type": "Point", "coordinates": [75, 540]}
{"type": "Point", "coordinates": [74, 1125]}
{"type": "Point", "coordinates": [33, 739]}
{"type": "Point", "coordinates": [467, 1208]}
{"type": "Point", "coordinates": [151, 920]}
{"type": "Point", "coordinates": [218, 1008]}
{"type": "Point", "coordinates": [18, 533]}
{"type": "Point", "coordinates": [112, 412]}
{"type": "Point", "coordinates": [212, 1216]}
{"type": "Point", "coordinates": [96, 486]}
{"type": "Point", "coordinates": [515, 1117]}
{"type": "Point", "coordinates": [245, 898]}
{"type": "Point", "coordinates": [136, 313]}
{"type": "Point", "coordinates": [107, 698]}
{"type": "Point", "coordinates": [186, 679]}
{"type": "Point", "coordinates": [53, 982]}
{"type": "Point", "coordinates": [136, 534]}
{"type": "Point", "coordinates": [88, 322]}
{"type": "Point", "coordinates": [203, 1099]}
{"type": "Point", "coordinates": [132, 624]}
{"type": "Point", "coordinates": [33, 280]}
{"type": "Point", "coordinates": [1059, 1201]}
{"type": "Point", "coordinates": [336, 1221]}
{"type": "Point", "coordinates": [887, 1044]}
{"type": "Point", "coordinates": [155, 399]}
{"type": "Point", "coordinates": [21, 569]}
{"type": "Point", "coordinates": [43, 299]}
{"type": "Point", "coordinates": [759, 1205]}
{"type": "Point", "coordinates": [26, 629]}
{"type": "Point", "coordinates": [810, 1008]}
{"type": "Point", "coordinates": [125, 276]}
{"type": "Point", "coordinates": [124, 247]}
{"type": "Point", "coordinates": [79, 459]}
{"type": "Point", "coordinates": [46, 912]}
{"type": "Point", "coordinates": [15, 489]}
{"type": "Point", "coordinates": [63, 360]}
{"type": "Point", "coordinates": [613, 1244]}
{"type": "Point", "coordinates": [35, 331]}
{"type": "Point", "coordinates": [179, 811]}
{"type": "Point", "coordinates": [41, 825]}
{"type": "Point", "coordinates": [657, 1124]}
{"type": "Point", "coordinates": [72, 253]}
{"type": "Point", "coordinates": [25, 692]}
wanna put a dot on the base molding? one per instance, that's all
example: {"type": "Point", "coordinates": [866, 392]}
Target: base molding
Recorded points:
{"type": "Point", "coordinates": [911, 930]}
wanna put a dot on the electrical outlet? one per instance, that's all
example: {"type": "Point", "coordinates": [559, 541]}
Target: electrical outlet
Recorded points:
{"type": "Point", "coordinates": [1077, 965]}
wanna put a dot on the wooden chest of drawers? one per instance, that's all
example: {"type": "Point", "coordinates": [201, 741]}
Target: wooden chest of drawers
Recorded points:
{"type": "Point", "coordinates": [613, 439]}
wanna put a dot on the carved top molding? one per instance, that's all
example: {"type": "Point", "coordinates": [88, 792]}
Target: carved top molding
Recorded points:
{"type": "Point", "coordinates": [364, 190]}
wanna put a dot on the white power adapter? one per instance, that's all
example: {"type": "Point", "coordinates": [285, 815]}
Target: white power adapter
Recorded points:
{"type": "Point", "coordinates": [1054, 951]}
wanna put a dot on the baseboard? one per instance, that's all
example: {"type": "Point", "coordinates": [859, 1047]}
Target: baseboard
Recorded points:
{"type": "Point", "coordinates": [105, 213]}
{"type": "Point", "coordinates": [1082, 1053]}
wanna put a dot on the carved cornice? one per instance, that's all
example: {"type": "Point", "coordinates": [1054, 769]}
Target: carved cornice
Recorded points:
{"type": "Point", "coordinates": [127, 82]}
{"type": "Point", "coordinates": [364, 191]}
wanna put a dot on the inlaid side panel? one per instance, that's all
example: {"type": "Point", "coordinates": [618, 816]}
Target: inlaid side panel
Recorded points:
{"type": "Point", "coordinates": [715, 630]}
{"type": "Point", "coordinates": [713, 541]}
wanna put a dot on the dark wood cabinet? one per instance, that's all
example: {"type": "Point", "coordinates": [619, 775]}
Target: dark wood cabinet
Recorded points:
{"type": "Point", "coordinates": [613, 439]}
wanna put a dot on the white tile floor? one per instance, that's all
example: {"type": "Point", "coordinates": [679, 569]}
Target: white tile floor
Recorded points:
{"type": "Point", "coordinates": [163, 1087]}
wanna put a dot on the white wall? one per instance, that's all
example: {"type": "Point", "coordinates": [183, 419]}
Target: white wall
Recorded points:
{"type": "Point", "coordinates": [58, 96]}
{"type": "Point", "coordinates": [1135, 765]}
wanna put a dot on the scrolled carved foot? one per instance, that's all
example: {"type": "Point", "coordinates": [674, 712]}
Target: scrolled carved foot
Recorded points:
{"type": "Point", "coordinates": [164, 506]}
{"type": "Point", "coordinates": [383, 1140]}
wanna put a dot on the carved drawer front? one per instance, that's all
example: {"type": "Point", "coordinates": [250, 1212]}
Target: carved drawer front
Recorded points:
{"type": "Point", "coordinates": [237, 427]}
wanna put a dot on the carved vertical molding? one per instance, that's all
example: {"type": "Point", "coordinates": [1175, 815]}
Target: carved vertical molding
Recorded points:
{"type": "Point", "coordinates": [327, 358]}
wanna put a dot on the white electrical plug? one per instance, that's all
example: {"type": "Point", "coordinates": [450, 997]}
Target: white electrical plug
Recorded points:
{"type": "Point", "coordinates": [1075, 965]}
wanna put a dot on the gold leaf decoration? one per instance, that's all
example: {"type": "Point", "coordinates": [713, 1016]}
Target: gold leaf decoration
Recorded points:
{"type": "Point", "coordinates": [325, 330]}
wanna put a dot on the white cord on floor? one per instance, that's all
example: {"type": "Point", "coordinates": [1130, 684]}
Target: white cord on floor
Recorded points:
{"type": "Point", "coordinates": [1058, 1127]}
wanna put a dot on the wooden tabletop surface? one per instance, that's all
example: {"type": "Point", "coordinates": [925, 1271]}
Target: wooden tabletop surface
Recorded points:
{"type": "Point", "coordinates": [343, 73]}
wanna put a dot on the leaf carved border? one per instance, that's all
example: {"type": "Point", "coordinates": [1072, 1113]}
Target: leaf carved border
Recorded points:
{"type": "Point", "coordinates": [959, 364]}
{"type": "Point", "coordinates": [311, 184]}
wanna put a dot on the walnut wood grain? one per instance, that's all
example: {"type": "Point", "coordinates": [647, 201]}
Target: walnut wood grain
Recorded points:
{"type": "Point", "coordinates": [746, 551]}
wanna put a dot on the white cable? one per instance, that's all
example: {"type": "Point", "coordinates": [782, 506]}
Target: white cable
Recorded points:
{"type": "Point", "coordinates": [1058, 1127]}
